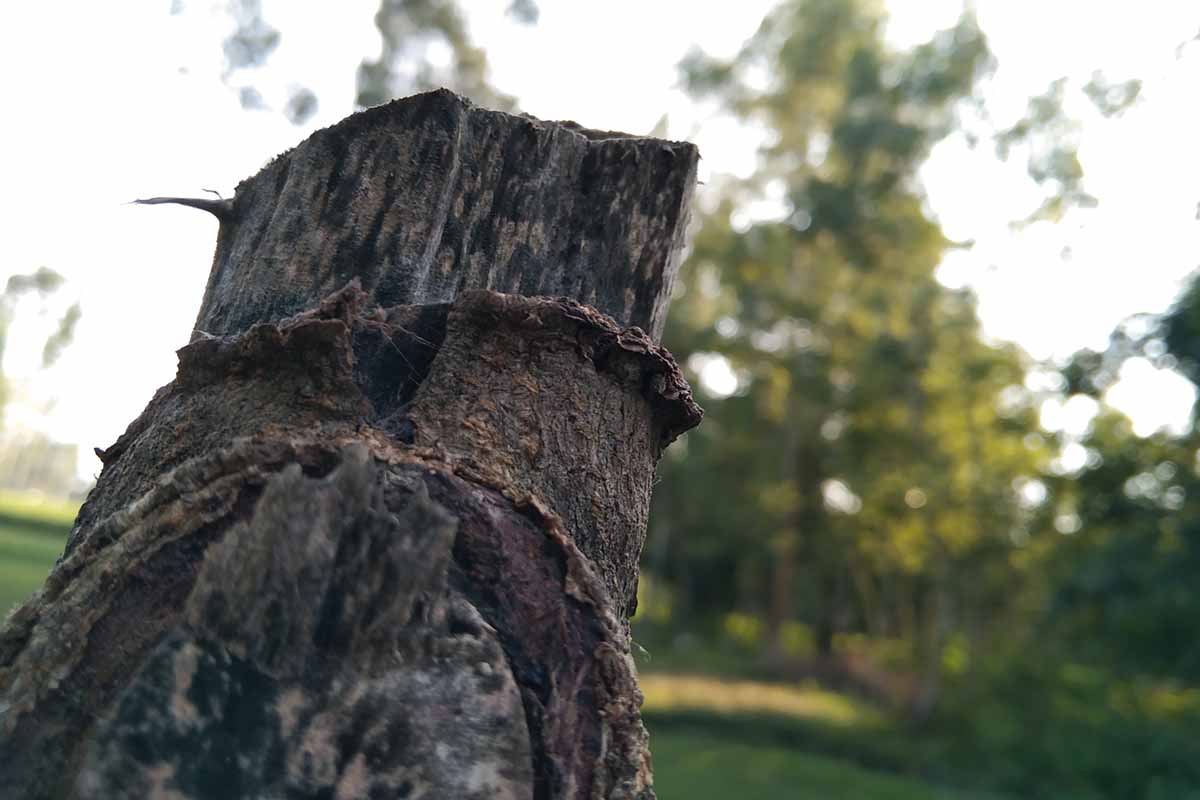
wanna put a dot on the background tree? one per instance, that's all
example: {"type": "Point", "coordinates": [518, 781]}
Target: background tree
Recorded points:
{"type": "Point", "coordinates": [1122, 580]}
{"type": "Point", "coordinates": [426, 45]}
{"type": "Point", "coordinates": [883, 447]}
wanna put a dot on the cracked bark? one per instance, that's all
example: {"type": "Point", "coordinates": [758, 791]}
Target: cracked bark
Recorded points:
{"type": "Point", "coordinates": [379, 537]}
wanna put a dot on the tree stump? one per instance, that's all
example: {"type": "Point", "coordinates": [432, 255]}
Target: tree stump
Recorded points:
{"type": "Point", "coordinates": [379, 537]}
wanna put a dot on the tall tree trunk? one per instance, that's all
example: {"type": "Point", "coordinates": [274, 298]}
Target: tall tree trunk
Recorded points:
{"type": "Point", "coordinates": [827, 608]}
{"type": "Point", "coordinates": [780, 600]}
{"type": "Point", "coordinates": [379, 538]}
{"type": "Point", "coordinates": [937, 625]}
{"type": "Point", "coordinates": [821, 548]}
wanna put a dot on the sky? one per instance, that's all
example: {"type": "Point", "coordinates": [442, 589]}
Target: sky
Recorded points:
{"type": "Point", "coordinates": [115, 101]}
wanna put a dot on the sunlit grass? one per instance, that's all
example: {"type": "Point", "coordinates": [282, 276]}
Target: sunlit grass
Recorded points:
{"type": "Point", "coordinates": [1168, 701]}
{"type": "Point", "coordinates": [37, 510]}
{"type": "Point", "coordinates": [667, 693]}
{"type": "Point", "coordinates": [770, 728]}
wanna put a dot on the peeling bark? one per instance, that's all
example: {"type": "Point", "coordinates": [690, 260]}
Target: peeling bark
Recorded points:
{"type": "Point", "coordinates": [377, 549]}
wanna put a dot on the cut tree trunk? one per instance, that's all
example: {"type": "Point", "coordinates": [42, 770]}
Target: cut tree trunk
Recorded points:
{"type": "Point", "coordinates": [379, 538]}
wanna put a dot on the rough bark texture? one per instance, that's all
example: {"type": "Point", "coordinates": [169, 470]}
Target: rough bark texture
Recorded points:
{"type": "Point", "coordinates": [383, 547]}
{"type": "Point", "coordinates": [426, 198]}
{"type": "Point", "coordinates": [507, 383]}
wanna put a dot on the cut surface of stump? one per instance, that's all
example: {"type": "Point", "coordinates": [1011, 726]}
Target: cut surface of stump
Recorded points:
{"type": "Point", "coordinates": [427, 197]}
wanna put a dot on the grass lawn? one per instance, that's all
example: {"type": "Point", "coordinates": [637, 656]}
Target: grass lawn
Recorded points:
{"type": "Point", "coordinates": [698, 767]}
{"type": "Point", "coordinates": [26, 556]}
{"type": "Point", "coordinates": [682, 692]}
{"type": "Point", "coordinates": [32, 534]}
{"type": "Point", "coordinates": [32, 510]}
{"type": "Point", "coordinates": [721, 737]}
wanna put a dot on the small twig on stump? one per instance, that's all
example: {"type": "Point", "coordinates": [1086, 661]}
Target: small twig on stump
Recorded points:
{"type": "Point", "coordinates": [221, 209]}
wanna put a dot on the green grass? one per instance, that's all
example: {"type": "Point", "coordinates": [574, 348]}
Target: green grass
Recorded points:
{"type": "Point", "coordinates": [32, 533]}
{"type": "Point", "coordinates": [26, 557]}
{"type": "Point", "coordinates": [698, 767]}
{"type": "Point", "coordinates": [777, 736]}
{"type": "Point", "coordinates": [667, 693]}
{"type": "Point", "coordinates": [36, 511]}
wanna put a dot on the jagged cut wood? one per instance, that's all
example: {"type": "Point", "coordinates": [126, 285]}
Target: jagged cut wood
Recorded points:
{"type": "Point", "coordinates": [430, 196]}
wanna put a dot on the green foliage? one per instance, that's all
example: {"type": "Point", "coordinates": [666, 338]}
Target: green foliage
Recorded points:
{"type": "Point", "coordinates": [862, 473]}
{"type": "Point", "coordinates": [1112, 99]}
{"type": "Point", "coordinates": [414, 33]}
{"type": "Point", "coordinates": [1050, 138]}
{"type": "Point", "coordinates": [410, 28]}
{"type": "Point", "coordinates": [880, 471]}
{"type": "Point", "coordinates": [249, 48]}
{"type": "Point", "coordinates": [1122, 582]}
{"type": "Point", "coordinates": [1181, 331]}
{"type": "Point", "coordinates": [1086, 735]}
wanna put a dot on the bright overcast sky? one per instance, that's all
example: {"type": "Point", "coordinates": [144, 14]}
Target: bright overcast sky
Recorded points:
{"type": "Point", "coordinates": [107, 102]}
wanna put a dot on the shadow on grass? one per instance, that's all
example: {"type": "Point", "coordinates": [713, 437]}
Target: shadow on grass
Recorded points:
{"type": "Point", "coordinates": [874, 745]}
{"type": "Point", "coordinates": [699, 766]}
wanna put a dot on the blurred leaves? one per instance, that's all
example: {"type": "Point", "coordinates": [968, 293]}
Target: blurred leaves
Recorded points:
{"type": "Point", "coordinates": [880, 469]}
{"type": "Point", "coordinates": [63, 335]}
{"type": "Point", "coordinates": [247, 49]}
{"type": "Point", "coordinates": [1123, 583]}
{"type": "Point", "coordinates": [1181, 331]}
{"type": "Point", "coordinates": [301, 106]}
{"type": "Point", "coordinates": [524, 11]}
{"type": "Point", "coordinates": [1112, 99]}
{"type": "Point", "coordinates": [426, 45]}
{"type": "Point", "coordinates": [42, 283]}
{"type": "Point", "coordinates": [859, 477]}
{"type": "Point", "coordinates": [1049, 137]}
{"type": "Point", "coordinates": [253, 41]}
